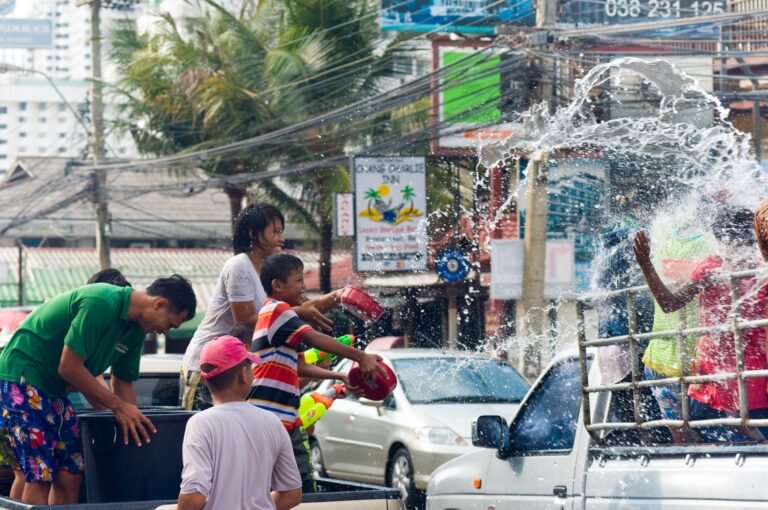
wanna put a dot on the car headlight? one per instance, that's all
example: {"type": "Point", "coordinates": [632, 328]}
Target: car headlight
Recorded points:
{"type": "Point", "coordinates": [440, 435]}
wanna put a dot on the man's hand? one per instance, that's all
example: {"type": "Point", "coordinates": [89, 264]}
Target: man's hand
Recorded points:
{"type": "Point", "coordinates": [133, 423]}
{"type": "Point", "coordinates": [642, 248]}
{"type": "Point", "coordinates": [309, 313]}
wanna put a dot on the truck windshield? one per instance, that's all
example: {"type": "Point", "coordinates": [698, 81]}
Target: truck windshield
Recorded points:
{"type": "Point", "coordinates": [439, 380]}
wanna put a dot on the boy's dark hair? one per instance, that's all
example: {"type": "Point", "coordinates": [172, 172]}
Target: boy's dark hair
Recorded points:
{"type": "Point", "coordinates": [243, 331]}
{"type": "Point", "coordinates": [109, 275]}
{"type": "Point", "coordinates": [251, 221]}
{"type": "Point", "coordinates": [279, 267]}
{"type": "Point", "coordinates": [178, 291]}
{"type": "Point", "coordinates": [224, 380]}
{"type": "Point", "coordinates": [734, 226]}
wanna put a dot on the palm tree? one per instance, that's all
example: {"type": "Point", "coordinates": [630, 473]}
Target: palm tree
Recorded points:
{"type": "Point", "coordinates": [408, 194]}
{"type": "Point", "coordinates": [229, 80]}
{"type": "Point", "coordinates": [372, 195]}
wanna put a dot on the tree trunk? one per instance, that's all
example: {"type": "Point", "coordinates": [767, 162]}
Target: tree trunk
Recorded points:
{"type": "Point", "coordinates": [235, 196]}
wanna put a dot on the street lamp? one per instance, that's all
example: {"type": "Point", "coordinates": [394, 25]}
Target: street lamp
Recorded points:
{"type": "Point", "coordinates": [5, 68]}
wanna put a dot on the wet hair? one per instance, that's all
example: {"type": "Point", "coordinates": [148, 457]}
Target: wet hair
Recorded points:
{"type": "Point", "coordinates": [243, 331]}
{"type": "Point", "coordinates": [224, 380]}
{"type": "Point", "coordinates": [252, 221]}
{"type": "Point", "coordinates": [279, 267]}
{"type": "Point", "coordinates": [734, 226]}
{"type": "Point", "coordinates": [178, 291]}
{"type": "Point", "coordinates": [109, 275]}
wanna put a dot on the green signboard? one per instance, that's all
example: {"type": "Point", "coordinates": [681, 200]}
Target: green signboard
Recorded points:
{"type": "Point", "coordinates": [472, 88]}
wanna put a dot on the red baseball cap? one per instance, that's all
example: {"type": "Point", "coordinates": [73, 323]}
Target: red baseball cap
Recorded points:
{"type": "Point", "coordinates": [223, 353]}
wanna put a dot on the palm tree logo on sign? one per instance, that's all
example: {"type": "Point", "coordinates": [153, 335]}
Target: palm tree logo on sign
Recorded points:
{"type": "Point", "coordinates": [380, 208]}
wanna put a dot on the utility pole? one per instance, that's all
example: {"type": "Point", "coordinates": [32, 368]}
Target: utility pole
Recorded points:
{"type": "Point", "coordinates": [531, 312]}
{"type": "Point", "coordinates": [532, 308]}
{"type": "Point", "coordinates": [97, 138]}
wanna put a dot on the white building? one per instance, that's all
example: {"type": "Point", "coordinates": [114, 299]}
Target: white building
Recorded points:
{"type": "Point", "coordinates": [33, 119]}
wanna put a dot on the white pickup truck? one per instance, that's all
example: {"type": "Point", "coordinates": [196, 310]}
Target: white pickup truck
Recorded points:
{"type": "Point", "coordinates": [565, 450]}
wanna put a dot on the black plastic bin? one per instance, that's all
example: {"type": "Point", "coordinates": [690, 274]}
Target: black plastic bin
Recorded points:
{"type": "Point", "coordinates": [115, 472]}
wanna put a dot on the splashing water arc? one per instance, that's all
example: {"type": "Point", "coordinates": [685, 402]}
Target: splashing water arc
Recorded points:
{"type": "Point", "coordinates": [678, 143]}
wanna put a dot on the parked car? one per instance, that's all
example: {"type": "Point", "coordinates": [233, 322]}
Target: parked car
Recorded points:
{"type": "Point", "coordinates": [157, 386]}
{"type": "Point", "coordinates": [10, 318]}
{"type": "Point", "coordinates": [424, 423]}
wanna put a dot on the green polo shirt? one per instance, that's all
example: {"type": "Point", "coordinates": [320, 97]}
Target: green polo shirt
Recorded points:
{"type": "Point", "coordinates": [92, 321]}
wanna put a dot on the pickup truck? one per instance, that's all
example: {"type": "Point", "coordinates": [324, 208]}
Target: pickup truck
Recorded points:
{"type": "Point", "coordinates": [567, 449]}
{"type": "Point", "coordinates": [131, 478]}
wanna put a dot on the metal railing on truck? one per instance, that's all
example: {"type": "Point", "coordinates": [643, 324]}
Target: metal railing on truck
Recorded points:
{"type": "Point", "coordinates": [735, 326]}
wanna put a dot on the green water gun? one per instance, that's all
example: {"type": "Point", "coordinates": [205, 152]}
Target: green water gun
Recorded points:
{"type": "Point", "coordinates": [313, 356]}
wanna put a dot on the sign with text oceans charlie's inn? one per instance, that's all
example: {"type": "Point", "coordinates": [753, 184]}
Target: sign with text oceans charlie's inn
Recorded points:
{"type": "Point", "coordinates": [390, 209]}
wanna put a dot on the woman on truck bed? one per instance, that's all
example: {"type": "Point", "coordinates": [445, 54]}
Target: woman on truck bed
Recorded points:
{"type": "Point", "coordinates": [715, 351]}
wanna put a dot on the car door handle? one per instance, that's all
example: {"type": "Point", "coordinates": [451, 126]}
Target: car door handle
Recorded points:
{"type": "Point", "coordinates": [560, 491]}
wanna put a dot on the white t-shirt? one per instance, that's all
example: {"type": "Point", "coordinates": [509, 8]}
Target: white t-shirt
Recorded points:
{"type": "Point", "coordinates": [235, 454]}
{"type": "Point", "coordinates": [238, 282]}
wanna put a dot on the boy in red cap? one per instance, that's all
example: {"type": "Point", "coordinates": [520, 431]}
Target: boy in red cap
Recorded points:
{"type": "Point", "coordinates": [235, 454]}
{"type": "Point", "coordinates": [280, 339]}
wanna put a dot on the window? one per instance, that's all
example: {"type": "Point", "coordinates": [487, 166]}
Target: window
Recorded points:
{"type": "Point", "coordinates": [3, 142]}
{"type": "Point", "coordinates": [22, 106]}
{"type": "Point", "coordinates": [3, 109]}
{"type": "Point", "coordinates": [547, 422]}
{"type": "Point", "coordinates": [62, 135]}
{"type": "Point", "coordinates": [22, 119]}
{"type": "Point", "coordinates": [3, 126]}
{"type": "Point", "coordinates": [43, 120]}
{"type": "Point", "coordinates": [3, 156]}
{"type": "Point", "coordinates": [22, 134]}
{"type": "Point", "coordinates": [62, 120]}
{"type": "Point", "coordinates": [62, 150]}
{"type": "Point", "coordinates": [62, 107]}
{"type": "Point", "coordinates": [41, 107]}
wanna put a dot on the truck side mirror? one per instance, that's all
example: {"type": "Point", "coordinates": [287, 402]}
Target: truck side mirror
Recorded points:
{"type": "Point", "coordinates": [491, 432]}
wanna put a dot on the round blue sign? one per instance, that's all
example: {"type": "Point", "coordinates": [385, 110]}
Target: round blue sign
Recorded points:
{"type": "Point", "coordinates": [452, 265]}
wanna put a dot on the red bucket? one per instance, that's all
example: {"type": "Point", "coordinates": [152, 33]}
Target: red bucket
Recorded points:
{"type": "Point", "coordinates": [360, 304]}
{"type": "Point", "coordinates": [377, 387]}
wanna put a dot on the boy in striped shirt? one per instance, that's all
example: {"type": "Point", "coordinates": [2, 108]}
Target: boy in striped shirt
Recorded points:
{"type": "Point", "coordinates": [280, 339]}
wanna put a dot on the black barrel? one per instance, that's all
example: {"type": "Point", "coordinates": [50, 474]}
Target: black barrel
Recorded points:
{"type": "Point", "coordinates": [115, 472]}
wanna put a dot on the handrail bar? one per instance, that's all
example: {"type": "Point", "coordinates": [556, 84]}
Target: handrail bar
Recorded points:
{"type": "Point", "coordinates": [699, 330]}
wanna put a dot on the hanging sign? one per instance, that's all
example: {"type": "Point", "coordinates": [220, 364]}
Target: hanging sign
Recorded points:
{"type": "Point", "coordinates": [390, 208]}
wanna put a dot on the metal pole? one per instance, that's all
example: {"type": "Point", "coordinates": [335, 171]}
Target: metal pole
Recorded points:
{"type": "Point", "coordinates": [97, 140]}
{"type": "Point", "coordinates": [20, 273]}
{"type": "Point", "coordinates": [532, 307]}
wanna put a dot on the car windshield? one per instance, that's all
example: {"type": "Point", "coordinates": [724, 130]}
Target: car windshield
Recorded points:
{"type": "Point", "coordinates": [459, 380]}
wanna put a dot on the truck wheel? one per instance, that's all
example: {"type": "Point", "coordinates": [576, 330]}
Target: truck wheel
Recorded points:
{"type": "Point", "coordinates": [400, 475]}
{"type": "Point", "coordinates": [316, 457]}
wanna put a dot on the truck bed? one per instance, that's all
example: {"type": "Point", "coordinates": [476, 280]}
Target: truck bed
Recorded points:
{"type": "Point", "coordinates": [334, 494]}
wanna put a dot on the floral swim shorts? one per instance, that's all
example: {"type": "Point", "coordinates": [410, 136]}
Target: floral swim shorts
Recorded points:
{"type": "Point", "coordinates": [43, 431]}
{"type": "Point", "coordinates": [669, 397]}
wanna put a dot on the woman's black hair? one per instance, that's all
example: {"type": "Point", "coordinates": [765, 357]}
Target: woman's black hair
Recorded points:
{"type": "Point", "coordinates": [109, 275]}
{"type": "Point", "coordinates": [251, 221]}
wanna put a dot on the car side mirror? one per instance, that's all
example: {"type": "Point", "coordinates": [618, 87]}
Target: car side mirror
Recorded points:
{"type": "Point", "coordinates": [370, 403]}
{"type": "Point", "coordinates": [491, 432]}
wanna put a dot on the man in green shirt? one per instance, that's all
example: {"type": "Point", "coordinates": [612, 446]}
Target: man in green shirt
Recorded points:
{"type": "Point", "coordinates": [62, 346]}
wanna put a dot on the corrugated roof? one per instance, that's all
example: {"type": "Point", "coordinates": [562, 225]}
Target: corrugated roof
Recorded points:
{"type": "Point", "coordinates": [54, 194]}
{"type": "Point", "coordinates": [51, 271]}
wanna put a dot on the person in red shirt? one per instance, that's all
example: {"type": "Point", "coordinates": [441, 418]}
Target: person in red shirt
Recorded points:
{"type": "Point", "coordinates": [715, 351]}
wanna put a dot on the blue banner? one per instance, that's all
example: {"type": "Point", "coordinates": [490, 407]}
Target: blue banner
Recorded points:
{"type": "Point", "coordinates": [465, 16]}
{"type": "Point", "coordinates": [25, 33]}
